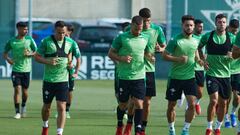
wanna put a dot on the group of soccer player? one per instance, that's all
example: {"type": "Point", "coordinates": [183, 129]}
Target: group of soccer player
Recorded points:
{"type": "Point", "coordinates": [195, 56]}
{"type": "Point", "coordinates": [56, 52]}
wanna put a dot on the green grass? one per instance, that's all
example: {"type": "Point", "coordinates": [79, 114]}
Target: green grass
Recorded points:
{"type": "Point", "coordinates": [92, 112]}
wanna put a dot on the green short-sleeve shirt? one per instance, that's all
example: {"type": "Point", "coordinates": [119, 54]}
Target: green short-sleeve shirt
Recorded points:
{"type": "Point", "coordinates": [127, 44]}
{"type": "Point", "coordinates": [17, 48]}
{"type": "Point", "coordinates": [59, 72]}
{"type": "Point", "coordinates": [178, 46]}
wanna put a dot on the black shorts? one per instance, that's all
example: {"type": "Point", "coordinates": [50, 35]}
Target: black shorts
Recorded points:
{"type": "Point", "coordinates": [220, 85]}
{"type": "Point", "coordinates": [235, 82]}
{"type": "Point", "coordinates": [150, 84]}
{"type": "Point", "coordinates": [199, 75]}
{"type": "Point", "coordinates": [70, 83]}
{"type": "Point", "coordinates": [176, 87]}
{"type": "Point", "coordinates": [133, 88]}
{"type": "Point", "coordinates": [21, 78]}
{"type": "Point", "coordinates": [50, 90]}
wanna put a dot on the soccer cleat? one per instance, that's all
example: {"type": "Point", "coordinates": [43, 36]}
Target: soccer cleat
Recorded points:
{"type": "Point", "coordinates": [198, 109]}
{"type": "Point", "coordinates": [17, 116]}
{"type": "Point", "coordinates": [233, 118]}
{"type": "Point", "coordinates": [45, 131]}
{"type": "Point", "coordinates": [180, 101]}
{"type": "Point", "coordinates": [128, 129]}
{"type": "Point", "coordinates": [119, 130]}
{"type": "Point", "coordinates": [68, 115]}
{"type": "Point", "coordinates": [227, 124]}
{"type": "Point", "coordinates": [172, 132]}
{"type": "Point", "coordinates": [142, 133]}
{"type": "Point", "coordinates": [217, 132]}
{"type": "Point", "coordinates": [185, 132]}
{"type": "Point", "coordinates": [208, 131]}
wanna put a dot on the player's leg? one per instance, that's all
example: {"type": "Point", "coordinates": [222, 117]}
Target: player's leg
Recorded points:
{"type": "Point", "coordinates": [69, 99]}
{"type": "Point", "coordinates": [48, 93]}
{"type": "Point", "coordinates": [173, 93]}
{"type": "Point", "coordinates": [16, 81]}
{"type": "Point", "coordinates": [190, 91]}
{"type": "Point", "coordinates": [224, 95]}
{"type": "Point", "coordinates": [61, 99]}
{"type": "Point", "coordinates": [25, 80]}
{"type": "Point", "coordinates": [150, 92]}
{"type": "Point", "coordinates": [212, 88]}
{"type": "Point", "coordinates": [200, 85]}
{"type": "Point", "coordinates": [123, 97]}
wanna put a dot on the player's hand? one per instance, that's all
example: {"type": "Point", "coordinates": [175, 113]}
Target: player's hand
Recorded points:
{"type": "Point", "coordinates": [200, 62]}
{"type": "Point", "coordinates": [27, 53]}
{"type": "Point", "coordinates": [206, 65]}
{"type": "Point", "coordinates": [70, 65]}
{"type": "Point", "coordinates": [10, 61]}
{"type": "Point", "coordinates": [75, 75]}
{"type": "Point", "coordinates": [183, 59]}
{"type": "Point", "coordinates": [126, 59]}
{"type": "Point", "coordinates": [159, 49]}
{"type": "Point", "coordinates": [53, 61]}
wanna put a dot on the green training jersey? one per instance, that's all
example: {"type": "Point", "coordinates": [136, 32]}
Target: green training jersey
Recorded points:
{"type": "Point", "coordinates": [128, 44]}
{"type": "Point", "coordinates": [59, 72]}
{"type": "Point", "coordinates": [219, 65]}
{"type": "Point", "coordinates": [235, 64]}
{"type": "Point", "coordinates": [197, 66]}
{"type": "Point", "coordinates": [18, 47]}
{"type": "Point", "coordinates": [156, 35]}
{"type": "Point", "coordinates": [179, 46]}
{"type": "Point", "coordinates": [77, 54]}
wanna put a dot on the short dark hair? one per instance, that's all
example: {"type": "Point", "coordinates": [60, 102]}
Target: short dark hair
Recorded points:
{"type": "Point", "coordinates": [145, 13]}
{"type": "Point", "coordinates": [187, 17]}
{"type": "Point", "coordinates": [137, 20]}
{"type": "Point", "coordinates": [70, 27]}
{"type": "Point", "coordinates": [198, 21]}
{"type": "Point", "coordinates": [234, 23]}
{"type": "Point", "coordinates": [60, 24]}
{"type": "Point", "coordinates": [21, 24]}
{"type": "Point", "coordinates": [220, 16]}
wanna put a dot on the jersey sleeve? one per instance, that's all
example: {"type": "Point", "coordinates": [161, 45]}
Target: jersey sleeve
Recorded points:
{"type": "Point", "coordinates": [237, 40]}
{"type": "Point", "coordinates": [41, 49]}
{"type": "Point", "coordinates": [7, 47]}
{"type": "Point", "coordinates": [117, 43]}
{"type": "Point", "coordinates": [33, 45]}
{"type": "Point", "coordinates": [161, 37]}
{"type": "Point", "coordinates": [204, 39]}
{"type": "Point", "coordinates": [171, 46]}
{"type": "Point", "coordinates": [75, 50]}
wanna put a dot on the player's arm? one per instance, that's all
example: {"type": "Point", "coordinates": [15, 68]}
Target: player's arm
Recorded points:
{"type": "Point", "coordinates": [235, 52]}
{"type": "Point", "coordinates": [7, 58]}
{"type": "Point", "coordinates": [167, 53]}
{"type": "Point", "coordinates": [113, 55]}
{"type": "Point", "coordinates": [198, 59]}
{"type": "Point", "coordinates": [7, 48]}
{"type": "Point", "coordinates": [52, 61]}
{"type": "Point", "coordinates": [169, 57]}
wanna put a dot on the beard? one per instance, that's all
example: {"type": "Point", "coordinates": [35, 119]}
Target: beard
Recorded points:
{"type": "Point", "coordinates": [187, 32]}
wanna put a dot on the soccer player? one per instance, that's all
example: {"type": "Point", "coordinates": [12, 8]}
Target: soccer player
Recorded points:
{"type": "Point", "coordinates": [182, 51]}
{"type": "Point", "coordinates": [236, 55]}
{"type": "Point", "coordinates": [218, 45]}
{"type": "Point", "coordinates": [73, 71]}
{"type": "Point", "coordinates": [128, 49]}
{"type": "Point", "coordinates": [55, 53]}
{"type": "Point", "coordinates": [199, 70]}
{"type": "Point", "coordinates": [22, 48]}
{"type": "Point", "coordinates": [235, 78]}
{"type": "Point", "coordinates": [157, 43]}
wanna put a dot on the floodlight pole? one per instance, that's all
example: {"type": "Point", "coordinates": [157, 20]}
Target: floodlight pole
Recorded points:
{"type": "Point", "coordinates": [30, 17]}
{"type": "Point", "coordinates": [186, 7]}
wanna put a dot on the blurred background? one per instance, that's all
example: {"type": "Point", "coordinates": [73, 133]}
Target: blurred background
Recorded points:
{"type": "Point", "coordinates": [97, 22]}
